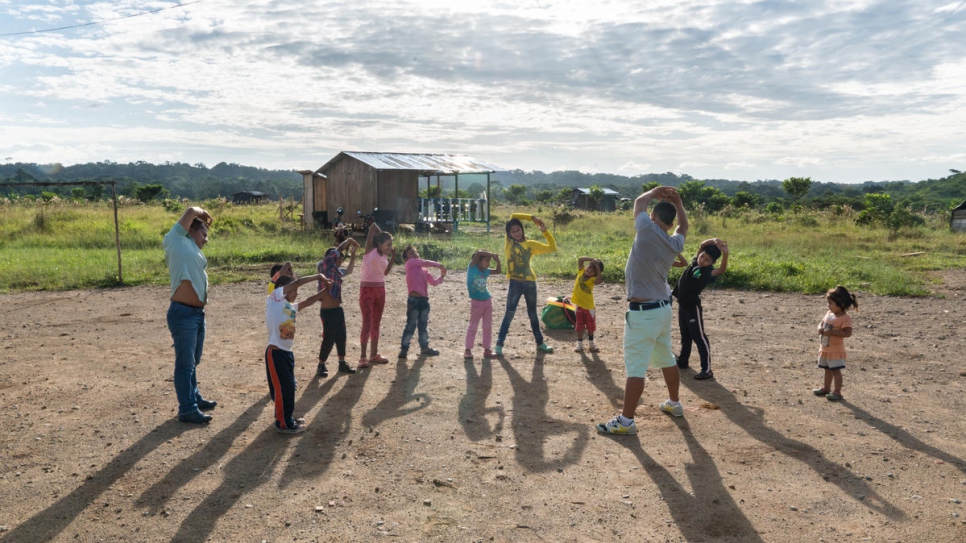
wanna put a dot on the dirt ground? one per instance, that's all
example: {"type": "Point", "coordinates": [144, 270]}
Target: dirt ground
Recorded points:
{"type": "Point", "coordinates": [443, 449]}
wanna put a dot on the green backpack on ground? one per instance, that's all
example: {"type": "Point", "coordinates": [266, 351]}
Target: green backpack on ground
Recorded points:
{"type": "Point", "coordinates": [559, 314]}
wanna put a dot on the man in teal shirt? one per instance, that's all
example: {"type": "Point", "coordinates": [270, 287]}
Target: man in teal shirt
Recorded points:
{"type": "Point", "coordinates": [186, 313]}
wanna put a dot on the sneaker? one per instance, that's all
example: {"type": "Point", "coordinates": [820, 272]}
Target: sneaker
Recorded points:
{"type": "Point", "coordinates": [402, 355]}
{"type": "Point", "coordinates": [298, 428]}
{"type": "Point", "coordinates": [195, 418]}
{"type": "Point", "coordinates": [429, 352]}
{"type": "Point", "coordinates": [593, 347]}
{"type": "Point", "coordinates": [579, 347]}
{"type": "Point", "coordinates": [378, 359]}
{"type": "Point", "coordinates": [490, 354]}
{"type": "Point", "coordinates": [322, 371]}
{"type": "Point", "coordinates": [614, 426]}
{"type": "Point", "coordinates": [499, 350]}
{"type": "Point", "coordinates": [363, 363]}
{"type": "Point", "coordinates": [344, 368]}
{"type": "Point", "coordinates": [544, 348]}
{"type": "Point", "coordinates": [704, 375]}
{"type": "Point", "coordinates": [676, 410]}
{"type": "Point", "coordinates": [820, 392]}
{"type": "Point", "coordinates": [468, 354]}
{"type": "Point", "coordinates": [206, 405]}
{"type": "Point", "coordinates": [833, 397]}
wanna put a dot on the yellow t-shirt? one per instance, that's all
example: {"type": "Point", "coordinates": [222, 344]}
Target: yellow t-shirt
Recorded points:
{"type": "Point", "coordinates": [583, 294]}
{"type": "Point", "coordinates": [518, 254]}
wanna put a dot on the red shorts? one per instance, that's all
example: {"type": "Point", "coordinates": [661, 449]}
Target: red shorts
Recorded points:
{"type": "Point", "coordinates": [586, 320]}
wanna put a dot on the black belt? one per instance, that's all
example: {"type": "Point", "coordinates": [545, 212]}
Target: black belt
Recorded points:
{"type": "Point", "coordinates": [639, 306]}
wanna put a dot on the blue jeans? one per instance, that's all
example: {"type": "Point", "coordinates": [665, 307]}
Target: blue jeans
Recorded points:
{"type": "Point", "coordinates": [187, 326]}
{"type": "Point", "coordinates": [417, 314]}
{"type": "Point", "coordinates": [527, 289]}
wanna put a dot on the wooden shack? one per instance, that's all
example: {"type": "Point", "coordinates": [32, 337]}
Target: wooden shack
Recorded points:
{"type": "Point", "coordinates": [249, 197]}
{"type": "Point", "coordinates": [957, 218]}
{"type": "Point", "coordinates": [364, 181]}
{"type": "Point", "coordinates": [580, 199]}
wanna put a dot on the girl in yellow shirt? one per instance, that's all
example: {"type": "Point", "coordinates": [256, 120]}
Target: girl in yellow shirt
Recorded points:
{"type": "Point", "coordinates": [519, 251]}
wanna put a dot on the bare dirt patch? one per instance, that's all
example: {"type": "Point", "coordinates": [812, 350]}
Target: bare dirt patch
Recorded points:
{"type": "Point", "coordinates": [447, 450]}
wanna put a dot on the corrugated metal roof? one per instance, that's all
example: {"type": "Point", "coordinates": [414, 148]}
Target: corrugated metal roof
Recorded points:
{"type": "Point", "coordinates": [607, 191]}
{"type": "Point", "coordinates": [426, 163]}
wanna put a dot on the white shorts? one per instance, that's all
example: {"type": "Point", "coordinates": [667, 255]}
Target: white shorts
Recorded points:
{"type": "Point", "coordinates": [647, 340]}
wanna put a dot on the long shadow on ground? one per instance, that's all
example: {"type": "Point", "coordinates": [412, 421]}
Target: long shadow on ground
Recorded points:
{"type": "Point", "coordinates": [211, 454]}
{"type": "Point", "coordinates": [401, 393]}
{"type": "Point", "coordinates": [473, 410]}
{"type": "Point", "coordinates": [533, 427]}
{"type": "Point", "coordinates": [329, 426]}
{"type": "Point", "coordinates": [751, 420]}
{"type": "Point", "coordinates": [50, 522]}
{"type": "Point", "coordinates": [248, 470]}
{"type": "Point", "coordinates": [603, 379]}
{"type": "Point", "coordinates": [904, 438]}
{"type": "Point", "coordinates": [711, 512]}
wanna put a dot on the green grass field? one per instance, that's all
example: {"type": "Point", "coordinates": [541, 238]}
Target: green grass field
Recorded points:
{"type": "Point", "coordinates": [64, 245]}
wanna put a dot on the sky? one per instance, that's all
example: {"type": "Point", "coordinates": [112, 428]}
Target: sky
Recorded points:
{"type": "Point", "coordinates": [841, 91]}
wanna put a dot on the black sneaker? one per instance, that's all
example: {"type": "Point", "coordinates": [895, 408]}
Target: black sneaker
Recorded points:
{"type": "Point", "coordinates": [403, 354]}
{"type": "Point", "coordinates": [704, 375]}
{"type": "Point", "coordinates": [429, 352]}
{"type": "Point", "coordinates": [344, 368]}
{"type": "Point", "coordinates": [296, 428]}
{"type": "Point", "coordinates": [195, 418]}
{"type": "Point", "coordinates": [206, 405]}
{"type": "Point", "coordinates": [322, 371]}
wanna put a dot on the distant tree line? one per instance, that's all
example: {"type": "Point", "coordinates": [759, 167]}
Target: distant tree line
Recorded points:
{"type": "Point", "coordinates": [147, 181]}
{"type": "Point", "coordinates": [714, 195]}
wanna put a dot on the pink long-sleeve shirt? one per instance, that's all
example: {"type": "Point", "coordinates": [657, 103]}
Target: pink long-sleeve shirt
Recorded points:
{"type": "Point", "coordinates": [418, 277]}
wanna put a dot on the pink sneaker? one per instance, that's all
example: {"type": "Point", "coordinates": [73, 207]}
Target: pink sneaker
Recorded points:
{"type": "Point", "coordinates": [363, 363]}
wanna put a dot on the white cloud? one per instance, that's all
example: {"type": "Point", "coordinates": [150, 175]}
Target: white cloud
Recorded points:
{"type": "Point", "coordinates": [717, 87]}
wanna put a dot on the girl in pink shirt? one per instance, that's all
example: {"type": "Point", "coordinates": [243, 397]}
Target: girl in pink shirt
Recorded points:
{"type": "Point", "coordinates": [834, 328]}
{"type": "Point", "coordinates": [418, 280]}
{"type": "Point", "coordinates": [376, 263]}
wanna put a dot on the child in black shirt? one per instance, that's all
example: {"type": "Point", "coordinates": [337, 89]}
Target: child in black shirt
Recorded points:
{"type": "Point", "coordinates": [697, 275]}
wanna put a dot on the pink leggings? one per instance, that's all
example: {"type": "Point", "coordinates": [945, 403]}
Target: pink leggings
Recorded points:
{"type": "Point", "coordinates": [372, 301]}
{"type": "Point", "coordinates": [480, 310]}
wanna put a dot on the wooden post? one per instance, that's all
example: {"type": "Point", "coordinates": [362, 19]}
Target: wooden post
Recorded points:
{"type": "Point", "coordinates": [117, 235]}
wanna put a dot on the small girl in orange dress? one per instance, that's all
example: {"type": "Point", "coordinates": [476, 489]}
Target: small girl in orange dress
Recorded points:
{"type": "Point", "coordinates": [834, 328]}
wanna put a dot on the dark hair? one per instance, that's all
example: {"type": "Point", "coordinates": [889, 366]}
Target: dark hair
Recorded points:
{"type": "Point", "coordinates": [341, 235]}
{"type": "Point", "coordinates": [196, 224]}
{"type": "Point", "coordinates": [406, 250]}
{"type": "Point", "coordinates": [382, 237]}
{"type": "Point", "coordinates": [713, 251]}
{"type": "Point", "coordinates": [517, 222]}
{"type": "Point", "coordinates": [284, 280]}
{"type": "Point", "coordinates": [666, 212]}
{"type": "Point", "coordinates": [842, 297]}
{"type": "Point", "coordinates": [275, 269]}
{"type": "Point", "coordinates": [600, 265]}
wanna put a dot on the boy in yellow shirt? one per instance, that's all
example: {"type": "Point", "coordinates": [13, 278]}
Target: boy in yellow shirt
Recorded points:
{"type": "Point", "coordinates": [589, 273]}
